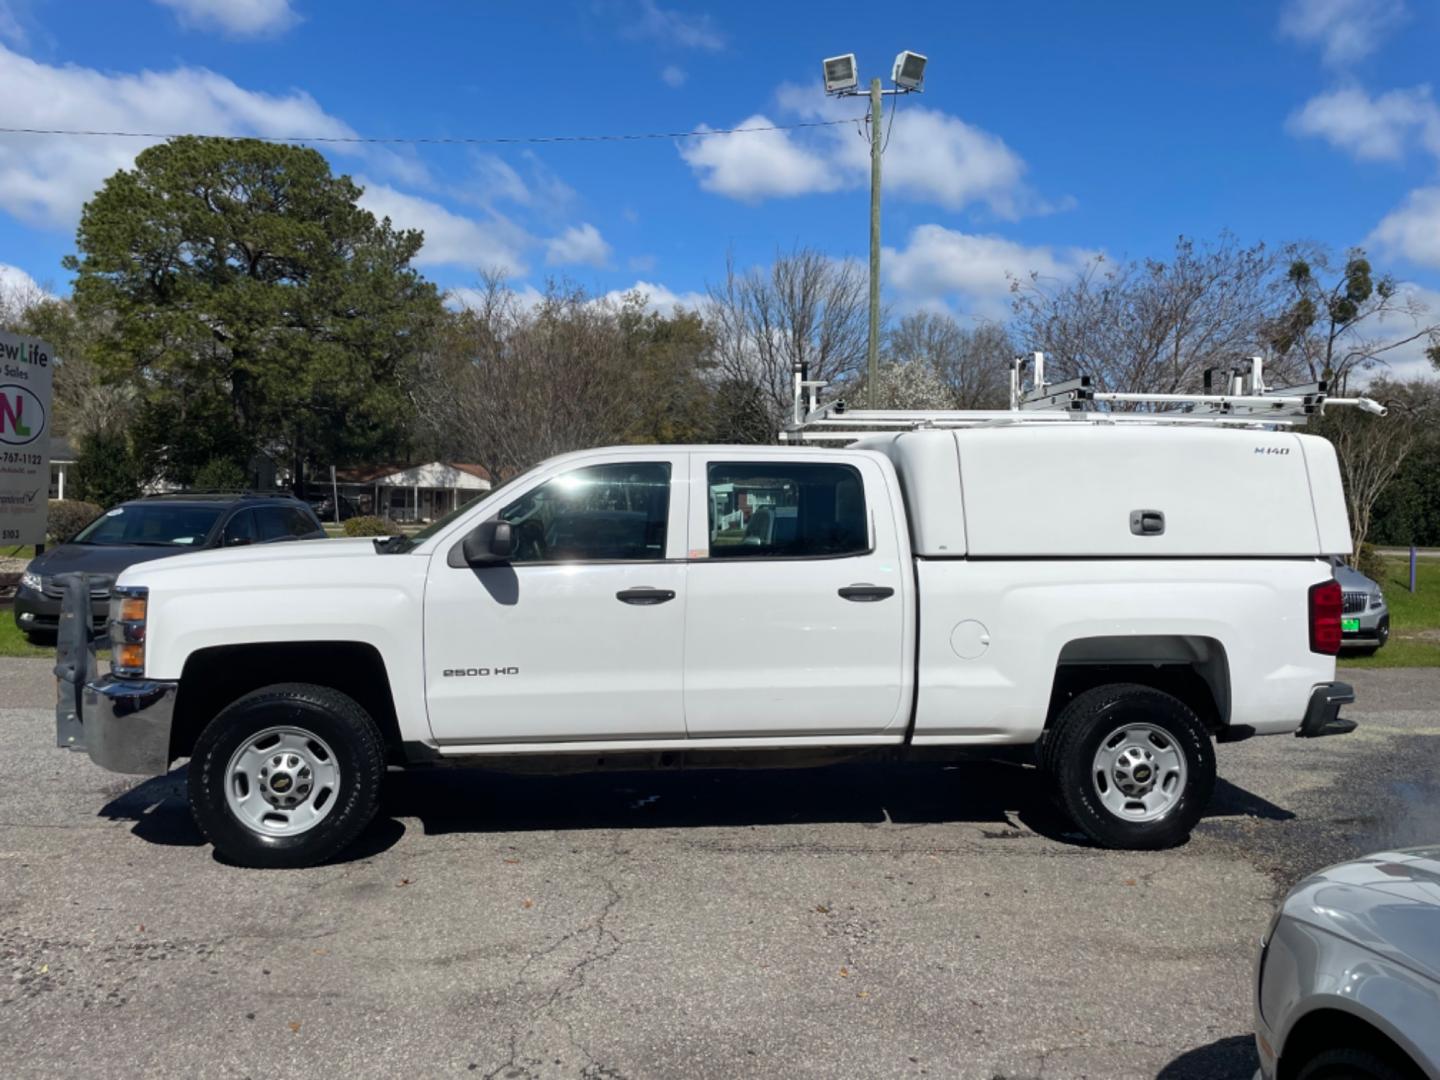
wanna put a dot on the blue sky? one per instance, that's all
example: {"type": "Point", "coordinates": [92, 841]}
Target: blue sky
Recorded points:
{"type": "Point", "coordinates": [1046, 133]}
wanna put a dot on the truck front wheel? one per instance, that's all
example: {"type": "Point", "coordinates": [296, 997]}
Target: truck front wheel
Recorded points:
{"type": "Point", "coordinates": [286, 776]}
{"type": "Point", "coordinates": [1133, 767]}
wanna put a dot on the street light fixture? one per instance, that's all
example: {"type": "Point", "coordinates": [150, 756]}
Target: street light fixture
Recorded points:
{"type": "Point", "coordinates": [842, 79]}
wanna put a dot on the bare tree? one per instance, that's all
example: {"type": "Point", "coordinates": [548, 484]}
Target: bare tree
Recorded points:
{"type": "Point", "coordinates": [1351, 322]}
{"type": "Point", "coordinates": [1372, 449]}
{"type": "Point", "coordinates": [971, 364]}
{"type": "Point", "coordinates": [509, 383]}
{"type": "Point", "coordinates": [1153, 326]}
{"type": "Point", "coordinates": [806, 307]}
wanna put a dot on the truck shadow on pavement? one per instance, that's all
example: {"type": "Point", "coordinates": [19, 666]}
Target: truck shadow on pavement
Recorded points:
{"type": "Point", "coordinates": [1224, 1059]}
{"type": "Point", "coordinates": [1009, 801]}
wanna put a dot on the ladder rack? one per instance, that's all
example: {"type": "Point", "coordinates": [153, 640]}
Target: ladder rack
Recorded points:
{"type": "Point", "coordinates": [1236, 398]}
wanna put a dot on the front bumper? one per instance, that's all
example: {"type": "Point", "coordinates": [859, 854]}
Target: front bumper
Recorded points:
{"type": "Point", "coordinates": [126, 723]}
{"type": "Point", "coordinates": [123, 724]}
{"type": "Point", "coordinates": [35, 612]}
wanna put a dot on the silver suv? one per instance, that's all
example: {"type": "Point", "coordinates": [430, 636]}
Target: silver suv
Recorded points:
{"type": "Point", "coordinates": [1365, 620]}
{"type": "Point", "coordinates": [1348, 982]}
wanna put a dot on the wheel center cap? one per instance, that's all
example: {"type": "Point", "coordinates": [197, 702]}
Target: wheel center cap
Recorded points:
{"type": "Point", "coordinates": [281, 782]}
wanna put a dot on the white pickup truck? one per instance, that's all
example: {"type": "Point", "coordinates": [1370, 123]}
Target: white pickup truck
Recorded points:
{"type": "Point", "coordinates": [1116, 595]}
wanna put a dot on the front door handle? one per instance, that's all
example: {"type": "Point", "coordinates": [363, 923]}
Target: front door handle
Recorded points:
{"type": "Point", "coordinates": [866, 594]}
{"type": "Point", "coordinates": [645, 596]}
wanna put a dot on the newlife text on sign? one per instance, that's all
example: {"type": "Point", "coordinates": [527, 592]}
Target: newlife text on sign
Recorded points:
{"type": "Point", "coordinates": [26, 375]}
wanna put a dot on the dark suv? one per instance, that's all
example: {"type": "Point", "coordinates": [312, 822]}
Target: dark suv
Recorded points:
{"type": "Point", "coordinates": [154, 527]}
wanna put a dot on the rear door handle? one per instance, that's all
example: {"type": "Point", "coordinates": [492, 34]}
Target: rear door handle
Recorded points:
{"type": "Point", "coordinates": [866, 594]}
{"type": "Point", "coordinates": [645, 596]}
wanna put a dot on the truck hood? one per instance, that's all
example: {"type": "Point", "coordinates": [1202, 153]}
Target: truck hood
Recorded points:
{"type": "Point", "coordinates": [234, 560]}
{"type": "Point", "coordinates": [1388, 903]}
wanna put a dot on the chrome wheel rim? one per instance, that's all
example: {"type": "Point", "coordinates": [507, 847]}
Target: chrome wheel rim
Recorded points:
{"type": "Point", "coordinates": [1139, 772]}
{"type": "Point", "coordinates": [282, 781]}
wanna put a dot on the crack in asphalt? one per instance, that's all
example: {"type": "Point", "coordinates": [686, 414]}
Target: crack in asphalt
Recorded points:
{"type": "Point", "coordinates": [603, 946]}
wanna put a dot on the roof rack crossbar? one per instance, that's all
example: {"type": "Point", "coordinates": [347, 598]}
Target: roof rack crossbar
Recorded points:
{"type": "Point", "coordinates": [1233, 398]}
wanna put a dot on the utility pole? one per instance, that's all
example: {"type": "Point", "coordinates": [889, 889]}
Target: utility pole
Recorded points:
{"type": "Point", "coordinates": [842, 79]}
{"type": "Point", "coordinates": [876, 146]}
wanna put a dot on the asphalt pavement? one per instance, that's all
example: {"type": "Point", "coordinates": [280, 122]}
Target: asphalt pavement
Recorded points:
{"type": "Point", "coordinates": [855, 921]}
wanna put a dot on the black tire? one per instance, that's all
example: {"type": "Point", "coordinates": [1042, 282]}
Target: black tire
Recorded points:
{"type": "Point", "coordinates": [346, 728]}
{"type": "Point", "coordinates": [1352, 1064]}
{"type": "Point", "coordinates": [1090, 719]}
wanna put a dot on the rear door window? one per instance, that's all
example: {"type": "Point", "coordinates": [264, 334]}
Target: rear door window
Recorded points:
{"type": "Point", "coordinates": [789, 510]}
{"type": "Point", "coordinates": [272, 523]}
{"type": "Point", "coordinates": [240, 529]}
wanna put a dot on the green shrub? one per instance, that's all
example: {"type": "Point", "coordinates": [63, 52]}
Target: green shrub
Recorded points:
{"type": "Point", "coordinates": [220, 474]}
{"type": "Point", "coordinates": [68, 517]}
{"type": "Point", "coordinates": [106, 471]}
{"type": "Point", "coordinates": [367, 526]}
{"type": "Point", "coordinates": [1369, 562]}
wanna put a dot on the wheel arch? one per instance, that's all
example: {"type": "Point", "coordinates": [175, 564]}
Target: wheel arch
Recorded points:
{"type": "Point", "coordinates": [1328, 1028]}
{"type": "Point", "coordinates": [1192, 668]}
{"type": "Point", "coordinates": [214, 677]}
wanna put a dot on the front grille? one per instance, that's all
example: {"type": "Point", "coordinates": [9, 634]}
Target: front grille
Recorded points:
{"type": "Point", "coordinates": [51, 588]}
{"type": "Point", "coordinates": [1355, 602]}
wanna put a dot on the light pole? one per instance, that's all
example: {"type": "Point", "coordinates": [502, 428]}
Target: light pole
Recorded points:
{"type": "Point", "coordinates": [842, 79]}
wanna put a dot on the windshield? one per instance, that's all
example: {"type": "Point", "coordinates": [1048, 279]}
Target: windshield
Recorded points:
{"type": "Point", "coordinates": [156, 524]}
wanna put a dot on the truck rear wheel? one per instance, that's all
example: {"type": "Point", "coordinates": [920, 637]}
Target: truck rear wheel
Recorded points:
{"type": "Point", "coordinates": [1133, 767]}
{"type": "Point", "coordinates": [286, 776]}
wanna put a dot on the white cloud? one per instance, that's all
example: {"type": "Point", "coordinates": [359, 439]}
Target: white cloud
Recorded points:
{"type": "Point", "coordinates": [970, 271]}
{"type": "Point", "coordinates": [759, 164]}
{"type": "Point", "coordinates": [1345, 30]}
{"type": "Point", "coordinates": [497, 181]}
{"type": "Point", "coordinates": [44, 180]}
{"type": "Point", "coordinates": [578, 245]}
{"type": "Point", "coordinates": [673, 75]}
{"type": "Point", "coordinates": [931, 156]}
{"type": "Point", "coordinates": [450, 238]}
{"type": "Point", "coordinates": [239, 18]}
{"type": "Point", "coordinates": [675, 28]}
{"type": "Point", "coordinates": [18, 291]}
{"type": "Point", "coordinates": [462, 297]}
{"type": "Point", "coordinates": [1412, 230]}
{"type": "Point", "coordinates": [658, 297]}
{"type": "Point", "coordinates": [1409, 360]}
{"type": "Point", "coordinates": [1372, 129]}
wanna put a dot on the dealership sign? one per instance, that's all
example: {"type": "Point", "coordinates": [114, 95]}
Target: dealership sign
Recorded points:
{"type": "Point", "coordinates": [26, 371]}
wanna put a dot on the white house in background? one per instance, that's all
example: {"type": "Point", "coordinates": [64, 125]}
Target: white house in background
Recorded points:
{"type": "Point", "coordinates": [412, 492]}
{"type": "Point", "coordinates": [62, 460]}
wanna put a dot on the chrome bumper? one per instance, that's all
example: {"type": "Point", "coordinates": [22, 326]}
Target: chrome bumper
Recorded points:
{"type": "Point", "coordinates": [127, 724]}
{"type": "Point", "coordinates": [123, 724]}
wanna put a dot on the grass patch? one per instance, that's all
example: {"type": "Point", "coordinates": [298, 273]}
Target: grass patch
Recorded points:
{"type": "Point", "coordinates": [1414, 618]}
{"type": "Point", "coordinates": [13, 641]}
{"type": "Point", "coordinates": [24, 551]}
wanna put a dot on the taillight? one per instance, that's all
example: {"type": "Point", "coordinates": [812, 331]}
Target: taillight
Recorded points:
{"type": "Point", "coordinates": [1326, 601]}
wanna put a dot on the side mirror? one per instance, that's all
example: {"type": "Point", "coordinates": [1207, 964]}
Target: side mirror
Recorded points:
{"type": "Point", "coordinates": [492, 543]}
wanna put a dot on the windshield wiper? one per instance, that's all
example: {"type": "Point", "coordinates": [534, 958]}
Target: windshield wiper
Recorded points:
{"type": "Point", "coordinates": [394, 545]}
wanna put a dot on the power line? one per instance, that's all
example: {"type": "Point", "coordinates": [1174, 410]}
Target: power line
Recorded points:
{"type": "Point", "coordinates": [434, 139]}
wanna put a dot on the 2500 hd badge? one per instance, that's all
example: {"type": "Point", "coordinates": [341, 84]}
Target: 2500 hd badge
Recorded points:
{"type": "Point", "coordinates": [481, 672]}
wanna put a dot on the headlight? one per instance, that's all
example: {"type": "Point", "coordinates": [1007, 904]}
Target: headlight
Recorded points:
{"type": "Point", "coordinates": [128, 609]}
{"type": "Point", "coordinates": [1377, 599]}
{"type": "Point", "coordinates": [32, 581]}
